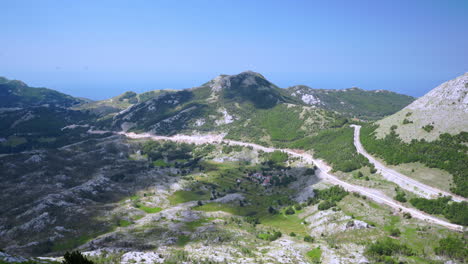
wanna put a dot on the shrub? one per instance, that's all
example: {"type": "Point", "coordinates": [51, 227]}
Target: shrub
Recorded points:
{"type": "Point", "coordinates": [455, 212]}
{"type": "Point", "coordinates": [395, 232]}
{"type": "Point", "coordinates": [289, 211]}
{"type": "Point", "coordinates": [406, 121]}
{"type": "Point", "coordinates": [308, 238]}
{"type": "Point", "coordinates": [326, 205]}
{"type": "Point", "coordinates": [453, 247]}
{"type": "Point", "coordinates": [387, 247]}
{"type": "Point", "coordinates": [75, 257]}
{"type": "Point", "coordinates": [359, 174]}
{"type": "Point", "coordinates": [428, 128]}
{"type": "Point", "coordinates": [292, 234]}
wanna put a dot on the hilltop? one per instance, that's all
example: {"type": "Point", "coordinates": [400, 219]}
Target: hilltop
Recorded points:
{"type": "Point", "coordinates": [443, 110]}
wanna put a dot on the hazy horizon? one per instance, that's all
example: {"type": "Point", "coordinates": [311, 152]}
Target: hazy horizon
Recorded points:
{"type": "Point", "coordinates": [99, 50]}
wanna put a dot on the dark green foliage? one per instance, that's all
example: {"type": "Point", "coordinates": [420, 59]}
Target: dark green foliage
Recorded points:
{"type": "Point", "coordinates": [453, 247]}
{"type": "Point", "coordinates": [400, 195]}
{"type": "Point", "coordinates": [455, 212]}
{"type": "Point", "coordinates": [448, 153]}
{"type": "Point", "coordinates": [256, 90]}
{"type": "Point", "coordinates": [395, 232]}
{"type": "Point", "coordinates": [382, 249]}
{"type": "Point", "coordinates": [406, 121]}
{"type": "Point", "coordinates": [272, 210]}
{"type": "Point", "coordinates": [308, 238]}
{"type": "Point", "coordinates": [130, 96]}
{"type": "Point", "coordinates": [277, 158]}
{"type": "Point", "coordinates": [336, 147]}
{"type": "Point", "coordinates": [280, 123]}
{"type": "Point", "coordinates": [42, 127]}
{"type": "Point", "coordinates": [167, 150]}
{"type": "Point", "coordinates": [75, 257]}
{"type": "Point", "coordinates": [428, 128]}
{"type": "Point", "coordinates": [326, 205]}
{"type": "Point", "coordinates": [329, 197]}
{"type": "Point", "coordinates": [18, 94]}
{"type": "Point", "coordinates": [270, 236]}
{"type": "Point", "coordinates": [289, 211]}
{"type": "Point", "coordinates": [333, 194]}
{"type": "Point", "coordinates": [356, 102]}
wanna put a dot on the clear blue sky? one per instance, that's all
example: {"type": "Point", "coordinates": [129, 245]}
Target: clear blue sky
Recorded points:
{"type": "Point", "coordinates": [98, 49]}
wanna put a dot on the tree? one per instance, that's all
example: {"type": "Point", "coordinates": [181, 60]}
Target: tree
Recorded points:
{"type": "Point", "coordinates": [452, 247]}
{"type": "Point", "coordinates": [289, 211]}
{"type": "Point", "coordinates": [75, 257]}
{"type": "Point", "coordinates": [395, 232]}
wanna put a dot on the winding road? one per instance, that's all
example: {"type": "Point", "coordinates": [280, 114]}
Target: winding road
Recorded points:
{"type": "Point", "coordinates": [401, 180]}
{"type": "Point", "coordinates": [323, 172]}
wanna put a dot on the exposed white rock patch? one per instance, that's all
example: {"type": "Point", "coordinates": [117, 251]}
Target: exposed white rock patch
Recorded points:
{"type": "Point", "coordinates": [226, 119]}
{"type": "Point", "coordinates": [310, 99]}
{"type": "Point", "coordinates": [73, 126]}
{"type": "Point", "coordinates": [34, 159]}
{"type": "Point", "coordinates": [199, 122]}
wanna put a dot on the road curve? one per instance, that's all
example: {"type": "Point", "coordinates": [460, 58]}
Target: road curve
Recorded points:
{"type": "Point", "coordinates": [323, 172]}
{"type": "Point", "coordinates": [401, 180]}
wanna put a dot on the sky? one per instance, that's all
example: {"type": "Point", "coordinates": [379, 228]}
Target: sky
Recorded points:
{"type": "Point", "coordinates": [99, 49]}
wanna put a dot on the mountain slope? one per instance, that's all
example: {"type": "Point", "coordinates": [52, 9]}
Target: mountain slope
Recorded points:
{"type": "Point", "coordinates": [15, 93]}
{"type": "Point", "coordinates": [443, 110]}
{"type": "Point", "coordinates": [353, 102]}
{"type": "Point", "coordinates": [245, 106]}
{"type": "Point", "coordinates": [433, 131]}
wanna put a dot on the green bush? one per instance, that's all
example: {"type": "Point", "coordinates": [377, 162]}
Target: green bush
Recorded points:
{"type": "Point", "coordinates": [455, 212]}
{"type": "Point", "coordinates": [387, 247]}
{"type": "Point", "coordinates": [453, 247]}
{"type": "Point", "coordinates": [336, 147]}
{"type": "Point", "coordinates": [326, 205]}
{"type": "Point", "coordinates": [395, 232]}
{"type": "Point", "coordinates": [448, 152]}
{"type": "Point", "coordinates": [75, 257]}
{"type": "Point", "coordinates": [289, 211]}
{"type": "Point", "coordinates": [308, 238]}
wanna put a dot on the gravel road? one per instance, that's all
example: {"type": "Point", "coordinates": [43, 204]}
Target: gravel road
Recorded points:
{"type": "Point", "coordinates": [323, 172]}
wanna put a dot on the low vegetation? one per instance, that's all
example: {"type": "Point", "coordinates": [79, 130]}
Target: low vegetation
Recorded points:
{"type": "Point", "coordinates": [448, 153]}
{"type": "Point", "coordinates": [336, 147]}
{"type": "Point", "coordinates": [455, 212]}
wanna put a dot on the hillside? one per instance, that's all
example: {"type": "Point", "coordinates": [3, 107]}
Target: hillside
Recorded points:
{"type": "Point", "coordinates": [15, 94]}
{"type": "Point", "coordinates": [353, 102]}
{"type": "Point", "coordinates": [432, 131]}
{"type": "Point", "coordinates": [227, 104]}
{"type": "Point", "coordinates": [443, 110]}
{"type": "Point", "coordinates": [109, 107]}
{"type": "Point", "coordinates": [208, 196]}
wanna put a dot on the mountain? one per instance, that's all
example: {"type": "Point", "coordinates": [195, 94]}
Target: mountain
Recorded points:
{"type": "Point", "coordinates": [353, 102]}
{"type": "Point", "coordinates": [78, 185]}
{"type": "Point", "coordinates": [109, 107]}
{"type": "Point", "coordinates": [39, 118]}
{"type": "Point", "coordinates": [245, 106]}
{"type": "Point", "coordinates": [443, 110]}
{"type": "Point", "coordinates": [15, 93]}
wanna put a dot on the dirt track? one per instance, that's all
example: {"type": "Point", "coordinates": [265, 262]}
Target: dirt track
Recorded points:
{"type": "Point", "coordinates": [323, 172]}
{"type": "Point", "coordinates": [401, 180]}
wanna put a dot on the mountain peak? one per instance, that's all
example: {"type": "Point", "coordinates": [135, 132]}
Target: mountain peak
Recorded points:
{"type": "Point", "coordinates": [452, 94]}
{"type": "Point", "coordinates": [444, 108]}
{"type": "Point", "coordinates": [245, 78]}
